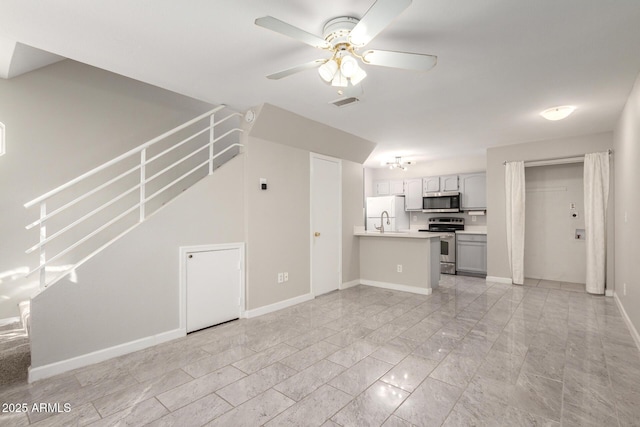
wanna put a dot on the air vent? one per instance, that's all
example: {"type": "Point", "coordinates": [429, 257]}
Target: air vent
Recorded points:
{"type": "Point", "coordinates": [343, 102]}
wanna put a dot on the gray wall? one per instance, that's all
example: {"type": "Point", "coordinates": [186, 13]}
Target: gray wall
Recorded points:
{"type": "Point", "coordinates": [61, 121]}
{"type": "Point", "coordinates": [277, 220]}
{"type": "Point", "coordinates": [130, 290]}
{"type": "Point", "coordinates": [497, 260]}
{"type": "Point", "coordinates": [627, 204]}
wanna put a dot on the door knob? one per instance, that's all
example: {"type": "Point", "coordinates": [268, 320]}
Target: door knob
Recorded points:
{"type": "Point", "coordinates": [317, 234]}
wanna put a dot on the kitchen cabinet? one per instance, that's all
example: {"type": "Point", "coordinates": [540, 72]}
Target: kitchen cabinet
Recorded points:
{"type": "Point", "coordinates": [449, 183]}
{"type": "Point", "coordinates": [439, 184]}
{"type": "Point", "coordinates": [430, 184]}
{"type": "Point", "coordinates": [388, 188]}
{"type": "Point", "coordinates": [471, 254]}
{"type": "Point", "coordinates": [473, 191]}
{"type": "Point", "coordinates": [413, 194]}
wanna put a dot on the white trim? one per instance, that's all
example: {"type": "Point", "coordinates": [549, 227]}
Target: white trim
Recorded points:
{"type": "Point", "coordinates": [184, 251]}
{"type": "Point", "coordinates": [2, 139]}
{"type": "Point", "coordinates": [351, 284]}
{"type": "Point", "coordinates": [627, 320]}
{"type": "Point", "coordinates": [311, 230]}
{"type": "Point", "coordinates": [9, 320]}
{"type": "Point", "coordinates": [46, 371]}
{"type": "Point", "coordinates": [499, 279]}
{"type": "Point", "coordinates": [278, 305]}
{"type": "Point", "coordinates": [397, 287]}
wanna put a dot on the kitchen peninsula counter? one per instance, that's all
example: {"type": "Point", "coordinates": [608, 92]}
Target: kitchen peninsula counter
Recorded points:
{"type": "Point", "coordinates": [415, 254]}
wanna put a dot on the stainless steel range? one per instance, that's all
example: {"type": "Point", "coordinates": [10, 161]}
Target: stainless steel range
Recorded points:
{"type": "Point", "coordinates": [449, 226]}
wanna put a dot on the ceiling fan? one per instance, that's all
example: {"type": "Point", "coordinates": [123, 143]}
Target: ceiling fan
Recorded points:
{"type": "Point", "coordinates": [345, 37]}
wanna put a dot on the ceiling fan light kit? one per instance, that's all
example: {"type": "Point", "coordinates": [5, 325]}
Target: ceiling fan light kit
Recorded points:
{"type": "Point", "coordinates": [343, 36]}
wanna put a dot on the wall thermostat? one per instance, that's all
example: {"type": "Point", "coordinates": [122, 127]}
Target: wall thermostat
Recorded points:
{"type": "Point", "coordinates": [263, 183]}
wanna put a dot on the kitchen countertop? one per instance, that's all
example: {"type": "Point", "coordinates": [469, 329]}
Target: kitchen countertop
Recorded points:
{"type": "Point", "coordinates": [401, 234]}
{"type": "Point", "coordinates": [471, 232]}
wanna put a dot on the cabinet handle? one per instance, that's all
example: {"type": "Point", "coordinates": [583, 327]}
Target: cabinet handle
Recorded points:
{"type": "Point", "coordinates": [317, 234]}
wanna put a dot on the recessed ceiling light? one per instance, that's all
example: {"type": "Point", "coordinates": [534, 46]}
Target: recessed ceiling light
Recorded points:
{"type": "Point", "coordinates": [558, 113]}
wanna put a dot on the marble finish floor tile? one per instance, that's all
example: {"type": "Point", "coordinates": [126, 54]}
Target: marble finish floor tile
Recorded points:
{"type": "Point", "coordinates": [254, 412]}
{"type": "Point", "coordinates": [472, 353]}
{"type": "Point", "coordinates": [430, 403]}
{"type": "Point", "coordinates": [372, 407]}
{"type": "Point", "coordinates": [314, 409]}
{"type": "Point", "coordinates": [360, 376]}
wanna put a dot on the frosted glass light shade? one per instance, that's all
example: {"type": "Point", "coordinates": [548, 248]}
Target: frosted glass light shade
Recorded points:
{"type": "Point", "coordinates": [348, 66]}
{"type": "Point", "coordinates": [328, 70]}
{"type": "Point", "coordinates": [339, 80]}
{"type": "Point", "coordinates": [558, 113]}
{"type": "Point", "coordinates": [358, 76]}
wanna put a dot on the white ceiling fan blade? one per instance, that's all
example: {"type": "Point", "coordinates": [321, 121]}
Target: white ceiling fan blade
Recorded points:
{"type": "Point", "coordinates": [273, 24]}
{"type": "Point", "coordinates": [379, 15]}
{"type": "Point", "coordinates": [407, 61]}
{"type": "Point", "coordinates": [296, 69]}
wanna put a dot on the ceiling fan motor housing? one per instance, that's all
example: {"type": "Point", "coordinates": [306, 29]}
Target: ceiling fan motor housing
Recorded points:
{"type": "Point", "coordinates": [337, 30]}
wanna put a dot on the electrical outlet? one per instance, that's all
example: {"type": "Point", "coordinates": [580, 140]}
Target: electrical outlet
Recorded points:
{"type": "Point", "coordinates": [473, 218]}
{"type": "Point", "coordinates": [286, 276]}
{"type": "Point", "coordinates": [280, 278]}
{"type": "Point", "coordinates": [624, 289]}
{"type": "Point", "coordinates": [399, 268]}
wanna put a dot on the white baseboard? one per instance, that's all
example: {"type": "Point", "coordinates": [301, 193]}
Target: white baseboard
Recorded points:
{"type": "Point", "coordinates": [277, 306]}
{"type": "Point", "coordinates": [397, 287]}
{"type": "Point", "coordinates": [627, 320]}
{"type": "Point", "coordinates": [351, 284]}
{"type": "Point", "coordinates": [499, 279]}
{"type": "Point", "coordinates": [46, 371]}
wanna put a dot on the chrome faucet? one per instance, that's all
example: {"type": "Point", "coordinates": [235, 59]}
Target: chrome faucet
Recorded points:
{"type": "Point", "coordinates": [381, 228]}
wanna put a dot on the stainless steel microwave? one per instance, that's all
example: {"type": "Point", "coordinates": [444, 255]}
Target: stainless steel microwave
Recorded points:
{"type": "Point", "coordinates": [441, 202]}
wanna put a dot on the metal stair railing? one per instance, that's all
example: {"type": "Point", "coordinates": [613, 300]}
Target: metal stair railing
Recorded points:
{"type": "Point", "coordinates": [141, 186]}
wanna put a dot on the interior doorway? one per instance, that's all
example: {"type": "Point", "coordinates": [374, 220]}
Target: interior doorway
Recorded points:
{"type": "Point", "coordinates": [555, 248]}
{"type": "Point", "coordinates": [326, 224]}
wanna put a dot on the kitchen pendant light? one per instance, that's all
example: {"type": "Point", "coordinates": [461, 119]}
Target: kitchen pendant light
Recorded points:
{"type": "Point", "coordinates": [398, 164]}
{"type": "Point", "coordinates": [558, 113]}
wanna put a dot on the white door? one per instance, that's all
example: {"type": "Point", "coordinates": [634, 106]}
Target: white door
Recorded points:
{"type": "Point", "coordinates": [213, 287]}
{"type": "Point", "coordinates": [326, 219]}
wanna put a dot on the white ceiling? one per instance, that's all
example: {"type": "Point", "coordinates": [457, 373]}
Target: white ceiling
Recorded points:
{"type": "Point", "coordinates": [500, 62]}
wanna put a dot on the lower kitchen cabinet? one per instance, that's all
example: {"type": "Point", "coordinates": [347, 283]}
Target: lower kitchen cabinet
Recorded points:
{"type": "Point", "coordinates": [471, 254]}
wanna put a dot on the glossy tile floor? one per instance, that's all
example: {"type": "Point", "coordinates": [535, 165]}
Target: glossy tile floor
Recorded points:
{"type": "Point", "coordinates": [473, 353]}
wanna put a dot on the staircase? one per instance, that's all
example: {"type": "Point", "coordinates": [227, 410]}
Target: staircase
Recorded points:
{"type": "Point", "coordinates": [81, 218]}
{"type": "Point", "coordinates": [15, 349]}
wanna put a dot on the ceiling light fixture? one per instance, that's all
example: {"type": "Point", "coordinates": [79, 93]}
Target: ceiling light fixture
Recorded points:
{"type": "Point", "coordinates": [558, 113]}
{"type": "Point", "coordinates": [342, 69]}
{"type": "Point", "coordinates": [398, 164]}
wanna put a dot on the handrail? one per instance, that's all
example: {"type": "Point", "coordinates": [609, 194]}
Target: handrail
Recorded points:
{"type": "Point", "coordinates": [122, 157]}
{"type": "Point", "coordinates": [99, 205]}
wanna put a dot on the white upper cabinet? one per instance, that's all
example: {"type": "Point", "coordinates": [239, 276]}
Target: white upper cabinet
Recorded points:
{"type": "Point", "coordinates": [413, 194]}
{"type": "Point", "coordinates": [381, 188]}
{"type": "Point", "coordinates": [449, 183]}
{"type": "Point", "coordinates": [473, 191]}
{"type": "Point", "coordinates": [388, 188]}
{"type": "Point", "coordinates": [431, 184]}
{"type": "Point", "coordinates": [396, 187]}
